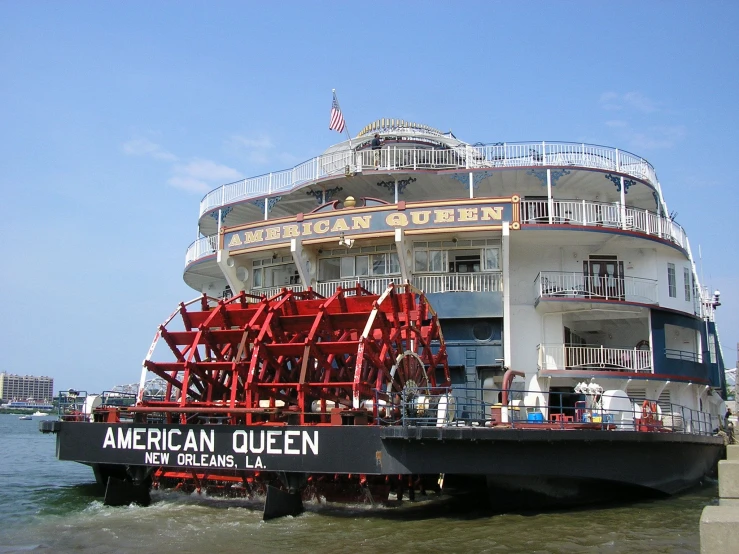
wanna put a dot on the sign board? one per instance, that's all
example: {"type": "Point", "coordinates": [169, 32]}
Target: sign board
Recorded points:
{"type": "Point", "coordinates": [413, 218]}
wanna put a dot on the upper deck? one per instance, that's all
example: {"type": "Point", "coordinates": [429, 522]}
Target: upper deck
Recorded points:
{"type": "Point", "coordinates": [399, 156]}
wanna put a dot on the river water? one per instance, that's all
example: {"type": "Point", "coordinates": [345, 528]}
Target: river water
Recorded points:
{"type": "Point", "coordinates": [51, 506]}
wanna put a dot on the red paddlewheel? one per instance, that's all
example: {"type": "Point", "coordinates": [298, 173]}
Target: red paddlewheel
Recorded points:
{"type": "Point", "coordinates": [254, 359]}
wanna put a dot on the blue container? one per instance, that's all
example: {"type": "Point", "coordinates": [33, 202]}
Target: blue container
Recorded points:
{"type": "Point", "coordinates": [536, 417]}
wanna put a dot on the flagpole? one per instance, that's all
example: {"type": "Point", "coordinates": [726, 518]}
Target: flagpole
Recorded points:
{"type": "Point", "coordinates": [346, 127]}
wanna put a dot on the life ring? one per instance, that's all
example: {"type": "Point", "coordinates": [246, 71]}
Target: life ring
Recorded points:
{"type": "Point", "coordinates": [642, 344]}
{"type": "Point", "coordinates": [648, 410]}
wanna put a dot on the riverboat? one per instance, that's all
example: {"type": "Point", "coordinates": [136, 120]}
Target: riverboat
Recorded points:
{"type": "Point", "coordinates": [520, 318]}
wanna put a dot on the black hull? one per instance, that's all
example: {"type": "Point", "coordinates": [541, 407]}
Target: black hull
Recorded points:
{"type": "Point", "coordinates": [548, 466]}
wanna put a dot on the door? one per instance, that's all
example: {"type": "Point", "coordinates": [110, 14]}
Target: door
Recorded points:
{"type": "Point", "coordinates": [604, 277]}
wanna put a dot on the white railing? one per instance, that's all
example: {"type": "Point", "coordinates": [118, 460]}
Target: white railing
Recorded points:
{"type": "Point", "coordinates": [461, 157]}
{"type": "Point", "coordinates": [560, 356]}
{"type": "Point", "coordinates": [600, 214]}
{"type": "Point", "coordinates": [559, 284]}
{"type": "Point", "coordinates": [269, 292]}
{"type": "Point", "coordinates": [451, 282]}
{"type": "Point", "coordinates": [375, 285]}
{"type": "Point", "coordinates": [204, 246]}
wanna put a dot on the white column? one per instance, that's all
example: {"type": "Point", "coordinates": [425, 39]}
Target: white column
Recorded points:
{"type": "Point", "coordinates": [228, 267]}
{"type": "Point", "coordinates": [505, 262]}
{"type": "Point", "coordinates": [400, 247]}
{"type": "Point", "coordinates": [301, 263]}
{"type": "Point", "coordinates": [623, 204]}
{"type": "Point", "coordinates": [549, 196]}
{"type": "Point", "coordinates": [651, 340]}
{"type": "Point", "coordinates": [472, 186]}
{"type": "Point", "coordinates": [396, 191]}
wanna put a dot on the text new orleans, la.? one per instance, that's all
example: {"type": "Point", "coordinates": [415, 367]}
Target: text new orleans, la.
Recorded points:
{"type": "Point", "coordinates": [373, 222]}
{"type": "Point", "coordinates": [199, 448]}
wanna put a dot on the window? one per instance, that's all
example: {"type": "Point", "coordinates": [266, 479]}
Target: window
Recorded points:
{"type": "Point", "coordinates": [492, 259]}
{"type": "Point", "coordinates": [347, 266]}
{"type": "Point", "coordinates": [712, 347]}
{"type": "Point", "coordinates": [364, 265]}
{"type": "Point", "coordinates": [379, 264]}
{"type": "Point", "coordinates": [686, 277]}
{"type": "Point", "coordinates": [429, 261]}
{"type": "Point", "coordinates": [393, 263]}
{"type": "Point", "coordinates": [329, 269]}
{"type": "Point", "coordinates": [671, 281]}
{"type": "Point", "coordinates": [456, 256]}
{"type": "Point", "coordinates": [274, 272]}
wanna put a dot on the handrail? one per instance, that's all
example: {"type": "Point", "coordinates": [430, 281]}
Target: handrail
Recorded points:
{"type": "Point", "coordinates": [683, 355]}
{"type": "Point", "coordinates": [269, 292]}
{"type": "Point", "coordinates": [204, 246]}
{"type": "Point", "coordinates": [601, 358]}
{"type": "Point", "coordinates": [602, 214]}
{"type": "Point", "coordinates": [562, 284]}
{"type": "Point", "coordinates": [498, 155]}
{"type": "Point", "coordinates": [459, 282]}
{"type": "Point", "coordinates": [531, 409]}
{"type": "Point", "coordinates": [376, 285]}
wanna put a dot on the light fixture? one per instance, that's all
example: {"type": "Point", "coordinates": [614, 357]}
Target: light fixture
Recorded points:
{"type": "Point", "coordinates": [343, 241]}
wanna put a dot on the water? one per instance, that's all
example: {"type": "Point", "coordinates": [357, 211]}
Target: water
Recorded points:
{"type": "Point", "coordinates": [50, 506]}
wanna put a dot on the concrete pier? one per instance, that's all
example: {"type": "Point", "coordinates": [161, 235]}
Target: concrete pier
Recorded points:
{"type": "Point", "coordinates": [719, 527]}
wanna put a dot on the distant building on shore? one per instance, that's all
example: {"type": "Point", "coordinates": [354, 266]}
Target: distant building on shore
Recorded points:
{"type": "Point", "coordinates": [26, 388]}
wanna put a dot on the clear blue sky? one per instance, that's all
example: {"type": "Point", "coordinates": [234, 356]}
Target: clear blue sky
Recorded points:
{"type": "Point", "coordinates": [116, 117]}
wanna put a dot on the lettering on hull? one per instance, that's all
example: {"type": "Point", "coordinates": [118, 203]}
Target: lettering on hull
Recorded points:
{"type": "Point", "coordinates": [203, 448]}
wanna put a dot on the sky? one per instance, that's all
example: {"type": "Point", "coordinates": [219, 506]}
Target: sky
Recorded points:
{"type": "Point", "coordinates": [116, 117]}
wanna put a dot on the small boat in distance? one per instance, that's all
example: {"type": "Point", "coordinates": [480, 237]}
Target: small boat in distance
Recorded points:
{"type": "Point", "coordinates": [25, 417]}
{"type": "Point", "coordinates": [38, 413]}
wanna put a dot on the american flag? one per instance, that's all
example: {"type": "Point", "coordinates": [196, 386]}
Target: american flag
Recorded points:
{"type": "Point", "coordinates": [337, 120]}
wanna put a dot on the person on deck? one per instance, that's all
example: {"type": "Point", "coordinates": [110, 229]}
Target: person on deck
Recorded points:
{"type": "Point", "coordinates": [376, 145]}
{"type": "Point", "coordinates": [729, 428]}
